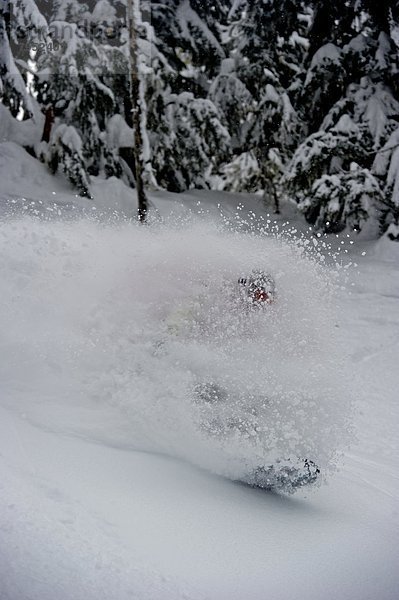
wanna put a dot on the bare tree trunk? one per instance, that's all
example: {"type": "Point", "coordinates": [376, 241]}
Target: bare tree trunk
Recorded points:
{"type": "Point", "coordinates": [276, 199]}
{"type": "Point", "coordinates": [48, 124]}
{"type": "Point", "coordinates": [136, 113]}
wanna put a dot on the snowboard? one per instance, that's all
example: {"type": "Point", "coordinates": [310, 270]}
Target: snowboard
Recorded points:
{"type": "Point", "coordinates": [285, 475]}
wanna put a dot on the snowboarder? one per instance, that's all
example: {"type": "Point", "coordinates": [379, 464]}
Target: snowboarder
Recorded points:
{"type": "Point", "coordinates": [258, 289]}
{"type": "Point", "coordinates": [221, 415]}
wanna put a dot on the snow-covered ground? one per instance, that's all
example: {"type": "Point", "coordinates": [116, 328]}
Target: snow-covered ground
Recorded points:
{"type": "Point", "coordinates": [107, 488]}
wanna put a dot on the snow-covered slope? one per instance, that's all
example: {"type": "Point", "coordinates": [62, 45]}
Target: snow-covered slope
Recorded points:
{"type": "Point", "coordinates": [107, 488]}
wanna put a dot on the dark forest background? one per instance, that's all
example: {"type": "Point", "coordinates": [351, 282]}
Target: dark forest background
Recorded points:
{"type": "Point", "coordinates": [296, 100]}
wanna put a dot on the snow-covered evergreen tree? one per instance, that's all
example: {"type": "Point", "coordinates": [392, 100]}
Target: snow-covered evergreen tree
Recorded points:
{"type": "Point", "coordinates": [350, 108]}
{"type": "Point", "coordinates": [22, 27]}
{"type": "Point", "coordinates": [187, 127]}
{"type": "Point", "coordinates": [85, 83]}
{"type": "Point", "coordinates": [65, 151]}
{"type": "Point", "coordinates": [292, 98]}
{"type": "Point", "coordinates": [192, 144]}
{"type": "Point", "coordinates": [189, 35]}
{"type": "Point", "coordinates": [346, 198]}
{"type": "Point", "coordinates": [267, 47]}
{"type": "Point", "coordinates": [234, 102]}
{"type": "Point", "coordinates": [386, 167]}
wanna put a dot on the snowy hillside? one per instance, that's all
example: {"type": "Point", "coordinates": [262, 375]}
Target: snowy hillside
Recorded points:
{"type": "Point", "coordinates": [109, 486]}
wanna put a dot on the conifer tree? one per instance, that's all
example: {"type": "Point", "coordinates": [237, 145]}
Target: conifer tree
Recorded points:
{"type": "Point", "coordinates": [84, 82]}
{"type": "Point", "coordinates": [22, 26]}
{"type": "Point", "coordinates": [349, 99]}
{"type": "Point", "coordinates": [266, 40]}
{"type": "Point", "coordinates": [295, 98]}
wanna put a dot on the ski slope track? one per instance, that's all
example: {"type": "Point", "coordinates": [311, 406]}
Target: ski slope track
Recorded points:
{"type": "Point", "coordinates": [109, 486]}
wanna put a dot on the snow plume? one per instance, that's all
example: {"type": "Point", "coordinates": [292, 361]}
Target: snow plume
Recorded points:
{"type": "Point", "coordinates": [116, 333]}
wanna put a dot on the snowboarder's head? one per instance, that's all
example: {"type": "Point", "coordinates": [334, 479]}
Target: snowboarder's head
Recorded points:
{"type": "Point", "coordinates": [258, 288]}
